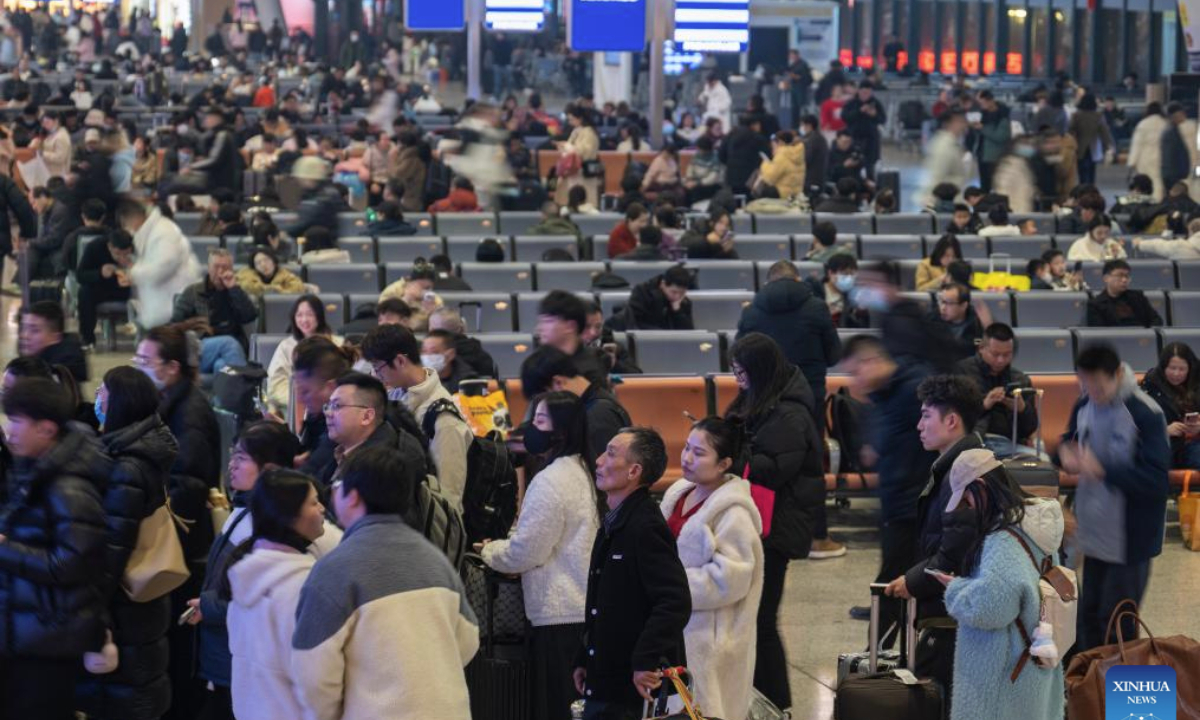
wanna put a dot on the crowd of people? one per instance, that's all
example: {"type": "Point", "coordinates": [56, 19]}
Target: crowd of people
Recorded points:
{"type": "Point", "coordinates": [318, 593]}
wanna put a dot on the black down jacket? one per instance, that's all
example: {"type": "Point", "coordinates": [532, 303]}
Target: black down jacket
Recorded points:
{"type": "Point", "coordinates": [786, 456]}
{"type": "Point", "coordinates": [197, 466]}
{"type": "Point", "coordinates": [139, 689]}
{"type": "Point", "coordinates": [52, 562]}
{"type": "Point", "coordinates": [789, 313]}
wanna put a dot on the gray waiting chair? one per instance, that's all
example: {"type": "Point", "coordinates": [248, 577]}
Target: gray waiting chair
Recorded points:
{"type": "Point", "coordinates": [351, 224]}
{"type": "Point", "coordinates": [723, 274]}
{"type": "Point", "coordinates": [498, 277]}
{"type": "Point", "coordinates": [509, 350]}
{"type": "Point", "coordinates": [719, 309]}
{"type": "Point", "coordinates": [408, 249]}
{"type": "Point", "coordinates": [597, 224]}
{"type": "Point", "coordinates": [637, 272]}
{"type": "Point", "coordinates": [1047, 308]}
{"type": "Point", "coordinates": [904, 224]}
{"type": "Point", "coordinates": [567, 275]}
{"type": "Point", "coordinates": [897, 247]}
{"type": "Point", "coordinates": [348, 278]}
{"type": "Point", "coordinates": [361, 248]}
{"type": "Point", "coordinates": [1185, 308]}
{"type": "Point", "coordinates": [1044, 350]}
{"type": "Point", "coordinates": [677, 352]}
{"type": "Point", "coordinates": [518, 222]}
{"type": "Point", "coordinates": [782, 224]}
{"type": "Point", "coordinates": [848, 223]}
{"type": "Point", "coordinates": [999, 304]}
{"type": "Point", "coordinates": [462, 249]}
{"type": "Point", "coordinates": [769, 248]}
{"type": "Point", "coordinates": [529, 248]}
{"type": "Point", "coordinates": [262, 347]}
{"type": "Point", "coordinates": [1136, 346]}
{"type": "Point", "coordinates": [480, 223]}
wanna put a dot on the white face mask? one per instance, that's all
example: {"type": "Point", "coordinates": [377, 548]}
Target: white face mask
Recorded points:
{"type": "Point", "coordinates": [436, 363]}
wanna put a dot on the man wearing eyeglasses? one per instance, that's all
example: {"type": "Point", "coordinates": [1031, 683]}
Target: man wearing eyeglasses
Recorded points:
{"type": "Point", "coordinates": [964, 320]}
{"type": "Point", "coordinates": [355, 417]}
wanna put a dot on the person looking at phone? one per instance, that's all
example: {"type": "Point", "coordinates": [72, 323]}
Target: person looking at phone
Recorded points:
{"type": "Point", "coordinates": [416, 291]}
{"type": "Point", "coordinates": [997, 588]}
{"type": "Point", "coordinates": [950, 409]}
{"type": "Point", "coordinates": [225, 307]}
{"type": "Point", "coordinates": [1175, 385]}
{"type": "Point", "coordinates": [1097, 245]}
{"type": "Point", "coordinates": [1059, 277]}
{"type": "Point", "coordinates": [1116, 442]}
{"type": "Point", "coordinates": [991, 368]}
{"type": "Point", "coordinates": [965, 320]}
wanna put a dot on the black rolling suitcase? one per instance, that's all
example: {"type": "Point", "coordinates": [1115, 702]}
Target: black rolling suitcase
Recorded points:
{"type": "Point", "coordinates": [888, 179]}
{"type": "Point", "coordinates": [1035, 475]}
{"type": "Point", "coordinates": [500, 676]}
{"type": "Point", "coordinates": [896, 694]}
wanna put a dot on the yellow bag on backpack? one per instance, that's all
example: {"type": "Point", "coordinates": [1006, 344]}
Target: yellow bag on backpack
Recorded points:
{"type": "Point", "coordinates": [487, 413]}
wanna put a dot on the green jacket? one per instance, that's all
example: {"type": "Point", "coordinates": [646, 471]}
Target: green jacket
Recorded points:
{"type": "Point", "coordinates": [555, 226]}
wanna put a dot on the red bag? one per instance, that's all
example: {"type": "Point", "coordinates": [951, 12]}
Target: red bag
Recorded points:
{"type": "Point", "coordinates": [568, 164]}
{"type": "Point", "coordinates": [764, 500]}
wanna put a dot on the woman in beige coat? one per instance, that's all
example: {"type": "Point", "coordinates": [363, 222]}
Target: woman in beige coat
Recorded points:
{"type": "Point", "coordinates": [584, 143]}
{"type": "Point", "coordinates": [1145, 148]}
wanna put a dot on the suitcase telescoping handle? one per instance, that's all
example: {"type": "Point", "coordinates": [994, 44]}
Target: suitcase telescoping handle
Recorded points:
{"type": "Point", "coordinates": [992, 262]}
{"type": "Point", "coordinates": [910, 630]}
{"type": "Point", "coordinates": [1037, 399]}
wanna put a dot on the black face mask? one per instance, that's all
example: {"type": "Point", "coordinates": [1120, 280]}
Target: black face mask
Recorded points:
{"type": "Point", "coordinates": [537, 441]}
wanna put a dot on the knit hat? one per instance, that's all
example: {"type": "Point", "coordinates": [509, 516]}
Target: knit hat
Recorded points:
{"type": "Point", "coordinates": [968, 467]}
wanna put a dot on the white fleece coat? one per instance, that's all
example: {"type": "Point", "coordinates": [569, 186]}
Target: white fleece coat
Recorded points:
{"type": "Point", "coordinates": [1145, 150]}
{"type": "Point", "coordinates": [262, 617]}
{"type": "Point", "coordinates": [164, 266]}
{"type": "Point", "coordinates": [721, 551]}
{"type": "Point", "coordinates": [1188, 249]}
{"type": "Point", "coordinates": [551, 545]}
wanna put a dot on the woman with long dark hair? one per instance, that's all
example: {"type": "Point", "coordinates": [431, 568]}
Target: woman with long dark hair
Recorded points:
{"type": "Point", "coordinates": [932, 269]}
{"type": "Point", "coordinates": [778, 408]}
{"type": "Point", "coordinates": [716, 526]}
{"type": "Point", "coordinates": [1175, 385]}
{"type": "Point", "coordinates": [307, 319]}
{"type": "Point", "coordinates": [551, 545]}
{"type": "Point", "coordinates": [262, 585]}
{"type": "Point", "coordinates": [997, 599]}
{"type": "Point", "coordinates": [261, 446]}
{"type": "Point", "coordinates": [143, 451]}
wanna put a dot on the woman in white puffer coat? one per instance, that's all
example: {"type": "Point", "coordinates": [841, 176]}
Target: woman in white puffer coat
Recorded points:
{"type": "Point", "coordinates": [718, 531]}
{"type": "Point", "coordinates": [1145, 147]}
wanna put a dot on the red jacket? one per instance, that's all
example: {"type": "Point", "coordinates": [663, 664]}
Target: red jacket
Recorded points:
{"type": "Point", "coordinates": [457, 201]}
{"type": "Point", "coordinates": [831, 115]}
{"type": "Point", "coordinates": [621, 240]}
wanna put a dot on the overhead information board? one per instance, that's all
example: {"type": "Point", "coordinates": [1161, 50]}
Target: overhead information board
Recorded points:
{"type": "Point", "coordinates": [712, 26]}
{"type": "Point", "coordinates": [607, 25]}
{"type": "Point", "coordinates": [435, 15]}
{"type": "Point", "coordinates": [514, 15]}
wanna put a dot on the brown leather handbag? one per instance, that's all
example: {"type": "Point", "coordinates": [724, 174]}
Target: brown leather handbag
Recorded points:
{"type": "Point", "coordinates": [1085, 676]}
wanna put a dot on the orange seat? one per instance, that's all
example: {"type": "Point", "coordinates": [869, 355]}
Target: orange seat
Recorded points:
{"type": "Point", "coordinates": [546, 158]}
{"type": "Point", "coordinates": [614, 169]}
{"type": "Point", "coordinates": [685, 161]}
{"type": "Point", "coordinates": [660, 403]}
{"type": "Point", "coordinates": [1061, 394]}
{"type": "Point", "coordinates": [516, 400]}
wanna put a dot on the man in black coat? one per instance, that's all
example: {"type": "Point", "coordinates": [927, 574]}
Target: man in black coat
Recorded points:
{"type": "Point", "coordinates": [787, 311]}
{"type": "Point", "coordinates": [864, 116]}
{"type": "Point", "coordinates": [661, 303]}
{"type": "Point", "coordinates": [638, 601]}
{"type": "Point", "coordinates": [13, 203]}
{"type": "Point", "coordinates": [992, 371]}
{"type": "Point", "coordinates": [950, 406]}
{"type": "Point", "coordinates": [103, 276]}
{"type": "Point", "coordinates": [41, 335]}
{"type": "Point", "coordinates": [217, 299]}
{"type": "Point", "coordinates": [742, 152]}
{"type": "Point", "coordinates": [52, 558]}
{"type": "Point", "coordinates": [816, 154]}
{"type": "Point", "coordinates": [1176, 166]}
{"type": "Point", "coordinates": [58, 216]}
{"type": "Point", "coordinates": [1118, 306]}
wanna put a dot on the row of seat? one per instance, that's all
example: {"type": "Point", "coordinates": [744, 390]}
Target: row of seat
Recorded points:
{"type": "Point", "coordinates": [532, 248]}
{"type": "Point", "coordinates": [1149, 275]}
{"type": "Point", "coordinates": [699, 352]}
{"type": "Point", "coordinates": [519, 223]}
{"type": "Point", "coordinates": [661, 402]}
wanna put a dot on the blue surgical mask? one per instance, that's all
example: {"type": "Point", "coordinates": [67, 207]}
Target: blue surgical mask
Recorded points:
{"type": "Point", "coordinates": [869, 298]}
{"type": "Point", "coordinates": [98, 409]}
{"type": "Point", "coordinates": [844, 283]}
{"type": "Point", "coordinates": [149, 372]}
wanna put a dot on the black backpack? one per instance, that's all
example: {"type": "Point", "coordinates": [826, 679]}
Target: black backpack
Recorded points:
{"type": "Point", "coordinates": [490, 496]}
{"type": "Point", "coordinates": [237, 388]}
{"type": "Point", "coordinates": [845, 427]}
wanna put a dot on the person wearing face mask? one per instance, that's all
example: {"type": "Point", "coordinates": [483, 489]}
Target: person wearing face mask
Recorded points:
{"type": "Point", "coordinates": [261, 584]}
{"type": "Point", "coordinates": [439, 355]}
{"type": "Point", "coordinates": [143, 450]}
{"type": "Point", "coordinates": [551, 544]}
{"type": "Point", "coordinates": [395, 357]}
{"type": "Point", "coordinates": [169, 357]}
{"type": "Point", "coordinates": [717, 529]}
{"type": "Point", "coordinates": [840, 278]}
{"type": "Point", "coordinates": [261, 447]}
{"type": "Point", "coordinates": [906, 331]}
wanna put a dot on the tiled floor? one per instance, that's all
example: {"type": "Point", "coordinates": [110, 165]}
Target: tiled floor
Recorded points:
{"type": "Point", "coordinates": [814, 618]}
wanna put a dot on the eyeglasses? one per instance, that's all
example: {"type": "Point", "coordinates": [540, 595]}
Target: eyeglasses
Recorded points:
{"type": "Point", "coordinates": [144, 361]}
{"type": "Point", "coordinates": [378, 367]}
{"type": "Point", "coordinates": [332, 407]}
{"type": "Point", "coordinates": [948, 303]}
